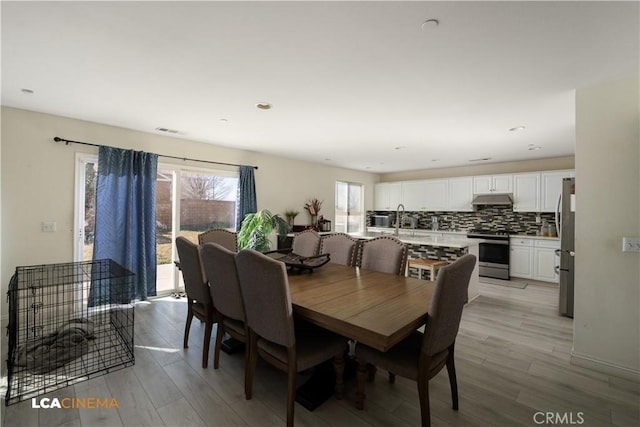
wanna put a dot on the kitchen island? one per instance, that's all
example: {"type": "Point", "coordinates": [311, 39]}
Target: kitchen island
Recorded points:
{"type": "Point", "coordinates": [445, 246]}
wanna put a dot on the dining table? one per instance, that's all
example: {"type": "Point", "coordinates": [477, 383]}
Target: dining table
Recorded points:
{"type": "Point", "coordinates": [370, 307]}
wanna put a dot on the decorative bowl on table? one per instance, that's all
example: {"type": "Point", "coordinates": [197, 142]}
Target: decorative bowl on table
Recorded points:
{"type": "Point", "coordinates": [297, 263]}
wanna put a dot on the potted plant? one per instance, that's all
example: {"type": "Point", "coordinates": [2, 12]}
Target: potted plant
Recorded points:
{"type": "Point", "coordinates": [256, 228]}
{"type": "Point", "coordinates": [291, 215]}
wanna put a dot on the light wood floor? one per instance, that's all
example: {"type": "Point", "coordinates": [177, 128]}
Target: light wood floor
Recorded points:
{"type": "Point", "coordinates": [512, 358]}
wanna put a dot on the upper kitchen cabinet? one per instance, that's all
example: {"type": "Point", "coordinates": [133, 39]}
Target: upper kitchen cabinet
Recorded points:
{"type": "Point", "coordinates": [387, 196]}
{"type": "Point", "coordinates": [437, 194]}
{"type": "Point", "coordinates": [414, 195]}
{"type": "Point", "coordinates": [493, 184]}
{"type": "Point", "coordinates": [526, 192]}
{"type": "Point", "coordinates": [551, 187]}
{"type": "Point", "coordinates": [461, 194]}
{"type": "Point", "coordinates": [425, 195]}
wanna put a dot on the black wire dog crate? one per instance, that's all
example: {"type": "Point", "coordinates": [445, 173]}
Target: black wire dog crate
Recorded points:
{"type": "Point", "coordinates": [67, 323]}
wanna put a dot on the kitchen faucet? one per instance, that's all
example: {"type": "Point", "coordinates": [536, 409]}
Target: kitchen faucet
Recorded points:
{"type": "Point", "coordinates": [399, 218]}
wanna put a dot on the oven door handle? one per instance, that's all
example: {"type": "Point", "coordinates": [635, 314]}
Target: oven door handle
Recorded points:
{"type": "Point", "coordinates": [495, 242]}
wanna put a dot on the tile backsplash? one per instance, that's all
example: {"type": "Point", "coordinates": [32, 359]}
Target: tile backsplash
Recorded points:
{"type": "Point", "coordinates": [487, 217]}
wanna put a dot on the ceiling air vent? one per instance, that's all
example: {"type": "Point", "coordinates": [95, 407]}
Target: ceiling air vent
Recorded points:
{"type": "Point", "coordinates": [161, 129]}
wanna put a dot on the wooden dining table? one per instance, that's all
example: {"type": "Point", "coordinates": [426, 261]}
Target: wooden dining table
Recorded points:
{"type": "Point", "coordinates": [373, 308]}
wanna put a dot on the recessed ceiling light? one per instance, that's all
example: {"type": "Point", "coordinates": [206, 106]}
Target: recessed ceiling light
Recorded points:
{"type": "Point", "coordinates": [534, 148]}
{"type": "Point", "coordinates": [430, 24]}
{"type": "Point", "coordinates": [435, 160]}
{"type": "Point", "coordinates": [517, 128]}
{"type": "Point", "coordinates": [263, 106]}
{"type": "Point", "coordinates": [224, 120]}
{"type": "Point", "coordinates": [400, 147]}
{"type": "Point", "coordinates": [327, 159]}
{"type": "Point", "coordinates": [482, 159]}
{"type": "Point", "coordinates": [27, 91]}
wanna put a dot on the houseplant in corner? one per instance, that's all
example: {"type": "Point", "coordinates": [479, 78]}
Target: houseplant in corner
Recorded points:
{"type": "Point", "coordinates": [256, 228]}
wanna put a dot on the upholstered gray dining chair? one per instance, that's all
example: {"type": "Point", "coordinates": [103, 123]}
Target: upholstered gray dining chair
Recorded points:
{"type": "Point", "coordinates": [421, 356]}
{"type": "Point", "coordinates": [340, 246]}
{"type": "Point", "coordinates": [199, 302]}
{"type": "Point", "coordinates": [273, 335]}
{"type": "Point", "coordinates": [306, 243]}
{"type": "Point", "coordinates": [220, 267]}
{"type": "Point", "coordinates": [386, 254]}
{"type": "Point", "coordinates": [225, 238]}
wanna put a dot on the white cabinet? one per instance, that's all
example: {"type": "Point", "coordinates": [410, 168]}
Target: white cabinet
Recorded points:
{"type": "Point", "coordinates": [532, 192]}
{"type": "Point", "coordinates": [387, 196]}
{"type": "Point", "coordinates": [526, 192]}
{"type": "Point", "coordinates": [534, 259]}
{"type": "Point", "coordinates": [551, 187]}
{"type": "Point", "coordinates": [493, 184]}
{"type": "Point", "coordinates": [460, 194]}
{"type": "Point", "coordinates": [425, 195]}
{"type": "Point", "coordinates": [414, 196]}
{"type": "Point", "coordinates": [437, 194]}
{"type": "Point", "coordinates": [545, 260]}
{"type": "Point", "coordinates": [521, 258]}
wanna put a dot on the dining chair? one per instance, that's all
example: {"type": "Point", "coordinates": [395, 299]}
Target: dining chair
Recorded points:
{"type": "Point", "coordinates": [422, 355]}
{"type": "Point", "coordinates": [340, 246]}
{"type": "Point", "coordinates": [306, 243]}
{"type": "Point", "coordinates": [273, 335]}
{"type": "Point", "coordinates": [199, 302]}
{"type": "Point", "coordinates": [225, 238]}
{"type": "Point", "coordinates": [385, 254]}
{"type": "Point", "coordinates": [220, 268]}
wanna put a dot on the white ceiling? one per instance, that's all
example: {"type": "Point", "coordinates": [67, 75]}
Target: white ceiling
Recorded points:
{"type": "Point", "coordinates": [349, 81]}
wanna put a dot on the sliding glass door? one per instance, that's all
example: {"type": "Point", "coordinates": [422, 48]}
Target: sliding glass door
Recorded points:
{"type": "Point", "coordinates": [206, 199]}
{"type": "Point", "coordinates": [348, 215]}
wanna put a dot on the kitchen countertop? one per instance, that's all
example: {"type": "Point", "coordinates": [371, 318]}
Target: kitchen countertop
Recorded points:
{"type": "Point", "coordinates": [446, 241]}
{"type": "Point", "coordinates": [529, 236]}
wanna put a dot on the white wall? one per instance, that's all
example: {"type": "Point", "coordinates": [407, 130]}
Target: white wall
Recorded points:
{"type": "Point", "coordinates": [37, 179]}
{"type": "Point", "coordinates": [607, 297]}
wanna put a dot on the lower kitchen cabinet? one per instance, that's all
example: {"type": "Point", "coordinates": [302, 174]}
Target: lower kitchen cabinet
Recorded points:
{"type": "Point", "coordinates": [534, 259]}
{"type": "Point", "coordinates": [545, 260]}
{"type": "Point", "coordinates": [521, 258]}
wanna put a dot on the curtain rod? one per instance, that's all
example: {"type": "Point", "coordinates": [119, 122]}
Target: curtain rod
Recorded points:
{"type": "Point", "coordinates": [68, 141]}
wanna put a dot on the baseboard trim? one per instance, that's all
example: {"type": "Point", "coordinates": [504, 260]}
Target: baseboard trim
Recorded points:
{"type": "Point", "coordinates": [608, 368]}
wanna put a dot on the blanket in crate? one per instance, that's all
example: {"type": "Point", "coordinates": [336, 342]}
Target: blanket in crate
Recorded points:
{"type": "Point", "coordinates": [68, 342]}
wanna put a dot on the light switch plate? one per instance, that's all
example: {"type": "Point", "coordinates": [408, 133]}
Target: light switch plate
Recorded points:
{"type": "Point", "coordinates": [49, 226]}
{"type": "Point", "coordinates": [631, 244]}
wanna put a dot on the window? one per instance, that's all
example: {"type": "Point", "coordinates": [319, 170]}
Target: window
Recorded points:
{"type": "Point", "coordinates": [207, 199]}
{"type": "Point", "coordinates": [349, 215]}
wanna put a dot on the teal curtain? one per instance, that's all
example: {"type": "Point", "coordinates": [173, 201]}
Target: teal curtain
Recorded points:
{"type": "Point", "coordinates": [246, 194]}
{"type": "Point", "coordinates": [125, 221]}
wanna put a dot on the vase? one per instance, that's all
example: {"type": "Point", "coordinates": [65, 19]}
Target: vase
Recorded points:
{"type": "Point", "coordinates": [314, 220]}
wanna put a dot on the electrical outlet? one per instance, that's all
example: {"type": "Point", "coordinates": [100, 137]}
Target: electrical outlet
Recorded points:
{"type": "Point", "coordinates": [49, 226]}
{"type": "Point", "coordinates": [631, 244]}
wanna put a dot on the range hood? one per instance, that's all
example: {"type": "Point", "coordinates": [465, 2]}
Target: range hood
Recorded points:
{"type": "Point", "coordinates": [492, 199]}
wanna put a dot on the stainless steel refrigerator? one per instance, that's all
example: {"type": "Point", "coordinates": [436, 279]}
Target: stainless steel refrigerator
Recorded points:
{"type": "Point", "coordinates": [565, 224]}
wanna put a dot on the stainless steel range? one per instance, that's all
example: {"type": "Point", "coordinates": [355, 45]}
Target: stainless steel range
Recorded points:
{"type": "Point", "coordinates": [493, 257]}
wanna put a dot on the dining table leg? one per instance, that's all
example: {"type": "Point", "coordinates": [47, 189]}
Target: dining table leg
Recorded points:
{"type": "Point", "coordinates": [362, 373]}
{"type": "Point", "coordinates": [339, 364]}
